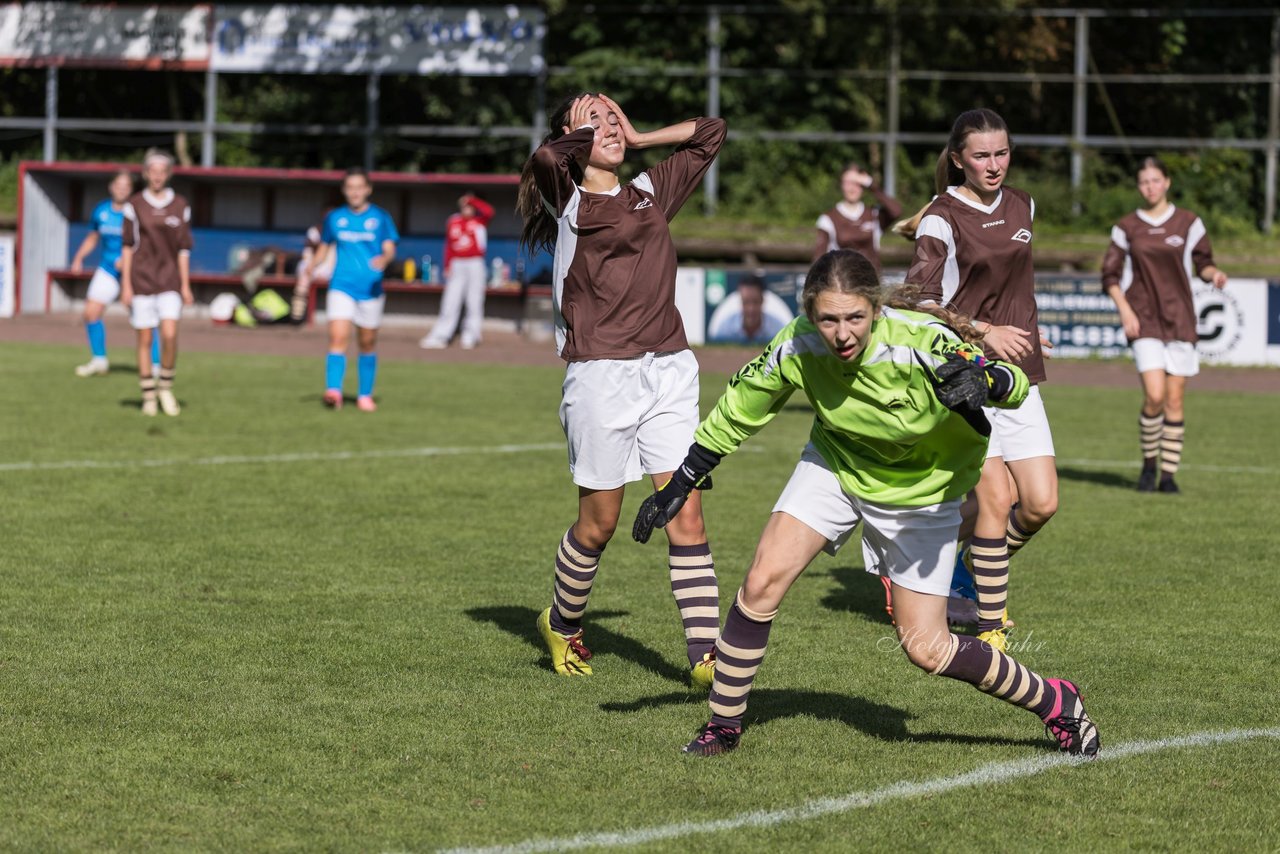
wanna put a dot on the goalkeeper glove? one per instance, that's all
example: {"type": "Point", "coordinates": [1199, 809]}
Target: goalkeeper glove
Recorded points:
{"type": "Point", "coordinates": [661, 507]}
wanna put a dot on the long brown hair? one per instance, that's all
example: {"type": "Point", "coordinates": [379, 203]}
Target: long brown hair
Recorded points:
{"type": "Point", "coordinates": [539, 229]}
{"type": "Point", "coordinates": [843, 271]}
{"type": "Point", "coordinates": [946, 173]}
{"type": "Point", "coordinates": [907, 298]}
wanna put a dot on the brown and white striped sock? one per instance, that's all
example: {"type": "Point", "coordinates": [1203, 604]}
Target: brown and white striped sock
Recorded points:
{"type": "Point", "coordinates": [1016, 533]}
{"type": "Point", "coordinates": [1171, 447]}
{"type": "Point", "coordinates": [990, 557]}
{"type": "Point", "coordinates": [693, 583]}
{"type": "Point", "coordinates": [739, 652]}
{"type": "Point", "coordinates": [166, 379]}
{"type": "Point", "coordinates": [991, 672]}
{"type": "Point", "coordinates": [148, 386]}
{"type": "Point", "coordinates": [576, 567]}
{"type": "Point", "coordinates": [1150, 428]}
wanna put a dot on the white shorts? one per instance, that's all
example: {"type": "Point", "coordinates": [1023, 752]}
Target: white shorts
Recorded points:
{"type": "Point", "coordinates": [1175, 358]}
{"type": "Point", "coordinates": [104, 288]}
{"type": "Point", "coordinates": [365, 313]}
{"type": "Point", "coordinates": [147, 311]}
{"type": "Point", "coordinates": [1021, 433]}
{"type": "Point", "coordinates": [915, 547]}
{"type": "Point", "coordinates": [625, 418]}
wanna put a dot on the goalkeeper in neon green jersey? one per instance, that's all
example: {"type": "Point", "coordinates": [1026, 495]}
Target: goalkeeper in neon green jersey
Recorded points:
{"type": "Point", "coordinates": [898, 438]}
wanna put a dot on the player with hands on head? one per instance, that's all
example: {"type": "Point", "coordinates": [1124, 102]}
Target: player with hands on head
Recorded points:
{"type": "Point", "coordinates": [852, 223]}
{"type": "Point", "coordinates": [1147, 272]}
{"type": "Point", "coordinates": [886, 450]}
{"type": "Point", "coordinates": [629, 402]}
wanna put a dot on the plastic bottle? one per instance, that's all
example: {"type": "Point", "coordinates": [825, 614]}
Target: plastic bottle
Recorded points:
{"type": "Point", "coordinates": [410, 270]}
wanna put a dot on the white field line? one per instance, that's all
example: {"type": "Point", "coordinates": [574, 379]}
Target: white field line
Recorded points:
{"type": "Point", "coordinates": [987, 775]}
{"type": "Point", "coordinates": [270, 459]}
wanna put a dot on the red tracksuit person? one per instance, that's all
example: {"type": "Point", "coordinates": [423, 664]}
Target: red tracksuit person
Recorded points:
{"type": "Point", "coordinates": [466, 237]}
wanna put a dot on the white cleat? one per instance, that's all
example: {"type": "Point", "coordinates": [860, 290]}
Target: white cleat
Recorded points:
{"type": "Point", "coordinates": [430, 343]}
{"type": "Point", "coordinates": [95, 367]}
{"type": "Point", "coordinates": [149, 407]}
{"type": "Point", "coordinates": [168, 403]}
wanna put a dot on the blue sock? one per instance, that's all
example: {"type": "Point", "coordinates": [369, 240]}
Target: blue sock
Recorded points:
{"type": "Point", "coordinates": [155, 347]}
{"type": "Point", "coordinates": [962, 578]}
{"type": "Point", "coordinates": [97, 339]}
{"type": "Point", "coordinates": [335, 370]}
{"type": "Point", "coordinates": [368, 368]}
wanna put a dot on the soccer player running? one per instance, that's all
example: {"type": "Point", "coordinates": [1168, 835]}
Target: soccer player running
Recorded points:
{"type": "Point", "coordinates": [852, 223]}
{"type": "Point", "coordinates": [155, 276]}
{"type": "Point", "coordinates": [107, 228]}
{"type": "Point", "coordinates": [630, 395]}
{"type": "Point", "coordinates": [1147, 271]}
{"type": "Point", "coordinates": [465, 239]}
{"type": "Point", "coordinates": [897, 440]}
{"type": "Point", "coordinates": [365, 238]}
{"type": "Point", "coordinates": [973, 255]}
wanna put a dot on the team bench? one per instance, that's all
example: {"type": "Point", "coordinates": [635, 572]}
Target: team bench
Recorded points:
{"type": "Point", "coordinates": [511, 306]}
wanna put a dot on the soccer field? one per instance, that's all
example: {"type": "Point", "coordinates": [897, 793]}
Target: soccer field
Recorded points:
{"type": "Point", "coordinates": [264, 625]}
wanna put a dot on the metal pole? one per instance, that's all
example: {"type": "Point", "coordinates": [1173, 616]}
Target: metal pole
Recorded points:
{"type": "Point", "coordinates": [1079, 118]}
{"type": "Point", "coordinates": [892, 95]}
{"type": "Point", "coordinates": [373, 91]}
{"type": "Point", "coordinates": [539, 123]}
{"type": "Point", "coordinates": [207, 152]}
{"type": "Point", "coordinates": [51, 114]}
{"type": "Point", "coordinates": [1273, 130]}
{"type": "Point", "coordinates": [711, 181]}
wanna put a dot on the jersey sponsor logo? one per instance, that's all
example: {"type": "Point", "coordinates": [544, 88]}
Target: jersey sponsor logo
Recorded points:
{"type": "Point", "coordinates": [1174, 240]}
{"type": "Point", "coordinates": [1022, 235]}
{"type": "Point", "coordinates": [868, 226]}
{"type": "Point", "coordinates": [342, 222]}
{"type": "Point", "coordinates": [355, 236]}
{"type": "Point", "coordinates": [371, 223]}
{"type": "Point", "coordinates": [989, 224]}
{"type": "Point", "coordinates": [647, 203]}
{"type": "Point", "coordinates": [173, 221]}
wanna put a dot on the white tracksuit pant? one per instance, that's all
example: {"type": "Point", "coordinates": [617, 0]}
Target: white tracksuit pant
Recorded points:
{"type": "Point", "coordinates": [465, 283]}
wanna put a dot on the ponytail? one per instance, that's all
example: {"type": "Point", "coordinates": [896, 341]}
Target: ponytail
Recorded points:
{"type": "Point", "coordinates": [907, 298]}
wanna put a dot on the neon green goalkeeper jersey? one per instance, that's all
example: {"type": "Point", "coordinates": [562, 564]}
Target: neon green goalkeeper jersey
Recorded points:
{"type": "Point", "coordinates": [877, 422]}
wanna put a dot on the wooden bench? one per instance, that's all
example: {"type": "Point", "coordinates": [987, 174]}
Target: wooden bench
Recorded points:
{"type": "Point", "coordinates": [277, 281]}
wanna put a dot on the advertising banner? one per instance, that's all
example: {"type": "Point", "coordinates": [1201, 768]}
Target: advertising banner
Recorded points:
{"type": "Point", "coordinates": [359, 39]}
{"type": "Point", "coordinates": [99, 35]}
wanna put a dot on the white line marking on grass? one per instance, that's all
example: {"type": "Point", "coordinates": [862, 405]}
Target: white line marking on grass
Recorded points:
{"type": "Point", "coordinates": [998, 772]}
{"type": "Point", "coordinates": [1133, 464]}
{"type": "Point", "coordinates": [268, 459]}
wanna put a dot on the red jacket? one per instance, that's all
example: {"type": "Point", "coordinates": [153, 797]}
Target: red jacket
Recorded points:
{"type": "Point", "coordinates": [466, 236]}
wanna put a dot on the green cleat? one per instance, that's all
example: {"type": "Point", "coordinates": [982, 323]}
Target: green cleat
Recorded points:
{"type": "Point", "coordinates": [568, 655]}
{"type": "Point", "coordinates": [702, 674]}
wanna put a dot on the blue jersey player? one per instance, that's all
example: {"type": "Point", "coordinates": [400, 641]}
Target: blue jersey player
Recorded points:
{"type": "Point", "coordinates": [106, 227]}
{"type": "Point", "coordinates": [365, 237]}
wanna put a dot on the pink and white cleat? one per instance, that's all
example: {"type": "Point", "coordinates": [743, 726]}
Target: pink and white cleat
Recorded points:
{"type": "Point", "coordinates": [333, 398]}
{"type": "Point", "coordinates": [1069, 724]}
{"type": "Point", "coordinates": [365, 404]}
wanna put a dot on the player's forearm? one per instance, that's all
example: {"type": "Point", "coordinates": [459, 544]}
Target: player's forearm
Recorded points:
{"type": "Point", "coordinates": [670, 135]}
{"type": "Point", "coordinates": [184, 270]}
{"type": "Point", "coordinates": [126, 268]}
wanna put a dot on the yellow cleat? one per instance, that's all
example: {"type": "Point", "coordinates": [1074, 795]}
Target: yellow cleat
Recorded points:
{"type": "Point", "coordinates": [702, 674]}
{"type": "Point", "coordinates": [568, 655]}
{"type": "Point", "coordinates": [996, 639]}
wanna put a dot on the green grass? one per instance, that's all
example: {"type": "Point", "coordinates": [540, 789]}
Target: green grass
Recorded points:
{"type": "Point", "coordinates": [340, 655]}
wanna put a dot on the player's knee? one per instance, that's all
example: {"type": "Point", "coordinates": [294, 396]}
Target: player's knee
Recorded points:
{"type": "Point", "coordinates": [1037, 510]}
{"type": "Point", "coordinates": [594, 533]}
{"type": "Point", "coordinates": [1153, 403]}
{"type": "Point", "coordinates": [687, 529]}
{"type": "Point", "coordinates": [922, 655]}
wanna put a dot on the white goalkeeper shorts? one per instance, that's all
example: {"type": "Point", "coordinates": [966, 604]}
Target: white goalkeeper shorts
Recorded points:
{"type": "Point", "coordinates": [625, 418]}
{"type": "Point", "coordinates": [914, 547]}
{"type": "Point", "coordinates": [1021, 433]}
{"type": "Point", "coordinates": [1175, 358]}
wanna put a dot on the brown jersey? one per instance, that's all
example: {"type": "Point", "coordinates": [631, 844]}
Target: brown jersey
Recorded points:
{"type": "Point", "coordinates": [977, 260]}
{"type": "Point", "coordinates": [858, 227]}
{"type": "Point", "coordinates": [158, 228]}
{"type": "Point", "coordinates": [614, 269]}
{"type": "Point", "coordinates": [1152, 261]}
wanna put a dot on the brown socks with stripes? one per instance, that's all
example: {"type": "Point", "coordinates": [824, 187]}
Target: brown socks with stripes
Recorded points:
{"type": "Point", "coordinates": [1170, 453]}
{"type": "Point", "coordinates": [693, 583]}
{"type": "Point", "coordinates": [576, 567]}
{"type": "Point", "coordinates": [990, 580]}
{"type": "Point", "coordinates": [991, 672]}
{"type": "Point", "coordinates": [739, 652]}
